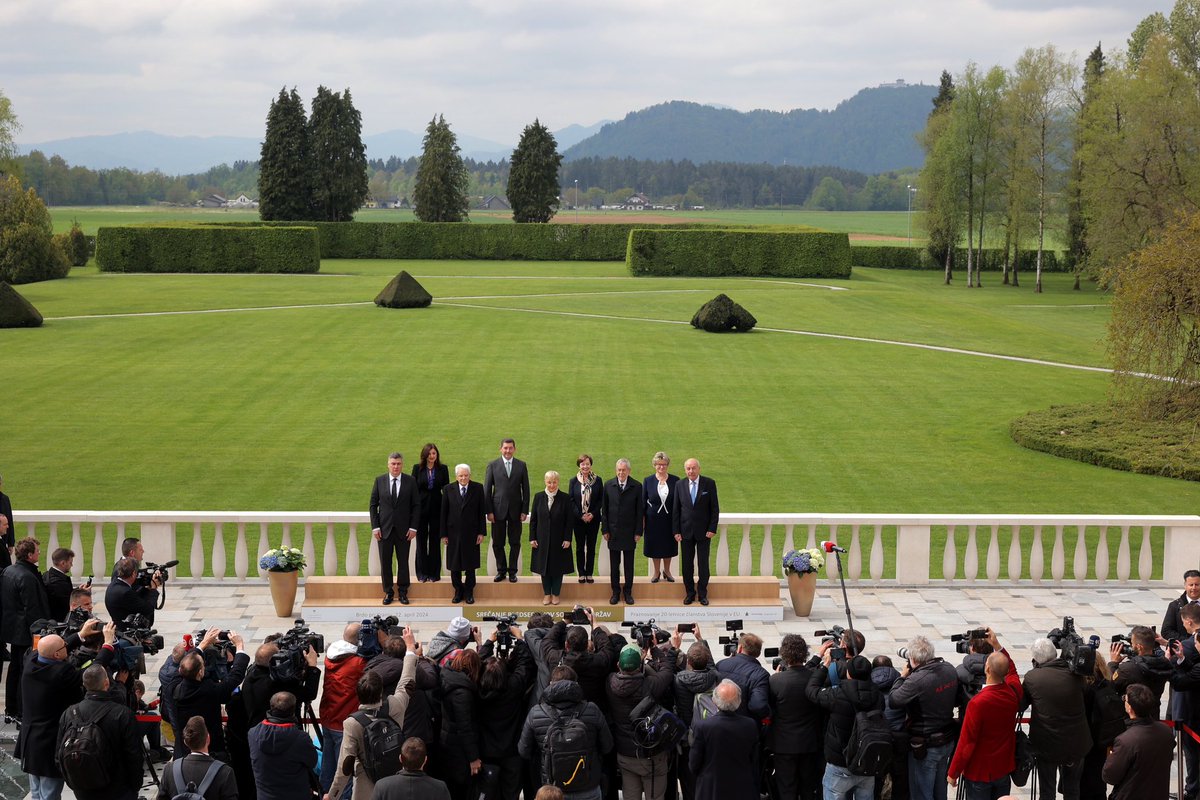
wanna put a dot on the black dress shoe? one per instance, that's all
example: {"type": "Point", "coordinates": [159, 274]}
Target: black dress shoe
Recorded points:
{"type": "Point", "coordinates": [470, 598]}
{"type": "Point", "coordinates": [512, 577]}
{"type": "Point", "coordinates": [689, 598]}
{"type": "Point", "coordinates": [387, 599]}
{"type": "Point", "coordinates": [404, 598]}
{"type": "Point", "coordinates": [616, 598]}
{"type": "Point", "coordinates": [629, 598]}
{"type": "Point", "coordinates": [703, 599]}
{"type": "Point", "coordinates": [457, 597]}
{"type": "Point", "coordinates": [669, 578]}
{"type": "Point", "coordinates": [499, 577]}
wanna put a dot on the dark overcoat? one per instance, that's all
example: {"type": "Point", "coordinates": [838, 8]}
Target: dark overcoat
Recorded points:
{"type": "Point", "coordinates": [550, 526]}
{"type": "Point", "coordinates": [463, 522]}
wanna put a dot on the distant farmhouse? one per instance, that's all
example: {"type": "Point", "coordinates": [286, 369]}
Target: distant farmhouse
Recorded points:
{"type": "Point", "coordinates": [217, 201]}
{"type": "Point", "coordinates": [494, 202]}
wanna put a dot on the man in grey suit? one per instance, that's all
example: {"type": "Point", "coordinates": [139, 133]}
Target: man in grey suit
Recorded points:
{"type": "Point", "coordinates": [395, 512]}
{"type": "Point", "coordinates": [697, 513]}
{"type": "Point", "coordinates": [506, 498]}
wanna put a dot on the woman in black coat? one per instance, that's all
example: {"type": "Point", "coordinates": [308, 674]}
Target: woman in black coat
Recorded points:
{"type": "Point", "coordinates": [659, 544]}
{"type": "Point", "coordinates": [587, 494]}
{"type": "Point", "coordinates": [460, 723]}
{"type": "Point", "coordinates": [431, 477]}
{"type": "Point", "coordinates": [550, 538]}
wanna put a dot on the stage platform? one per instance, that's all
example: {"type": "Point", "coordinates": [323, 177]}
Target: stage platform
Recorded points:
{"type": "Point", "coordinates": [334, 599]}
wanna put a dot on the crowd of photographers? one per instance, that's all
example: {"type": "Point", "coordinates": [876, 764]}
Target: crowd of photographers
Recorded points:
{"type": "Point", "coordinates": [500, 711]}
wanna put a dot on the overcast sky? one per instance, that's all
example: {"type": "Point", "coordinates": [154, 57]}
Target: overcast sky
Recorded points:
{"type": "Point", "coordinates": [211, 67]}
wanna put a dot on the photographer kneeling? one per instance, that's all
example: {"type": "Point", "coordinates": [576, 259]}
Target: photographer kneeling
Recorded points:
{"type": "Point", "coordinates": [927, 690]}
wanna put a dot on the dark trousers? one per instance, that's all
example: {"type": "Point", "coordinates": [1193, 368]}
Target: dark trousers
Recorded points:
{"type": "Point", "coordinates": [396, 545]}
{"type": "Point", "coordinates": [508, 784]}
{"type": "Point", "coordinates": [687, 781]}
{"type": "Point", "coordinates": [457, 579]}
{"type": "Point", "coordinates": [585, 545]}
{"type": "Point", "coordinates": [1049, 780]}
{"type": "Point", "coordinates": [695, 557]}
{"type": "Point", "coordinates": [798, 775]}
{"type": "Point", "coordinates": [507, 530]}
{"type": "Point", "coordinates": [429, 548]}
{"type": "Point", "coordinates": [615, 558]}
{"type": "Point", "coordinates": [12, 683]}
{"type": "Point", "coordinates": [986, 791]}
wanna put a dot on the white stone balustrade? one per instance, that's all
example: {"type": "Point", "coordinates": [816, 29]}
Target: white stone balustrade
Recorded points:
{"type": "Point", "coordinates": [920, 543]}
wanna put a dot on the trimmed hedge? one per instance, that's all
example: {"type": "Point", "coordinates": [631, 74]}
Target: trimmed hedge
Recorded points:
{"type": "Point", "coordinates": [529, 241]}
{"type": "Point", "coordinates": [207, 248]}
{"type": "Point", "coordinates": [793, 254]}
{"type": "Point", "coordinates": [899, 257]}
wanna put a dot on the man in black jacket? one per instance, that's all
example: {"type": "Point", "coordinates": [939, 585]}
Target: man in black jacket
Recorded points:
{"type": "Point", "coordinates": [120, 732]}
{"type": "Point", "coordinates": [389, 664]}
{"type": "Point", "coordinates": [1172, 626]}
{"type": "Point", "coordinates": [411, 782]}
{"type": "Point", "coordinates": [563, 695]}
{"type": "Point", "coordinates": [795, 732]}
{"type": "Point", "coordinates": [699, 676]}
{"type": "Point", "coordinates": [193, 767]}
{"type": "Point", "coordinates": [503, 686]}
{"type": "Point", "coordinates": [592, 659]}
{"type": "Point", "coordinates": [23, 598]}
{"type": "Point", "coordinates": [622, 520]}
{"type": "Point", "coordinates": [641, 674]}
{"type": "Point", "coordinates": [122, 598]}
{"type": "Point", "coordinates": [58, 583]}
{"type": "Point", "coordinates": [50, 684]}
{"type": "Point", "coordinates": [197, 696]}
{"type": "Point", "coordinates": [743, 669]}
{"type": "Point", "coordinates": [928, 690]}
{"type": "Point", "coordinates": [1144, 667]}
{"type": "Point", "coordinates": [853, 693]}
{"type": "Point", "coordinates": [282, 754]}
{"type": "Point", "coordinates": [724, 752]}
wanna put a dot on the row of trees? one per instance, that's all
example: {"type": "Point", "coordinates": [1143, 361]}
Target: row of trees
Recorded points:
{"type": "Point", "coordinates": [312, 168]}
{"type": "Point", "coordinates": [1112, 146]}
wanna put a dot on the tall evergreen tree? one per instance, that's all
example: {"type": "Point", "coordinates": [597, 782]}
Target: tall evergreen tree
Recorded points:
{"type": "Point", "coordinates": [440, 192]}
{"type": "Point", "coordinates": [533, 177]}
{"type": "Point", "coordinates": [945, 95]}
{"type": "Point", "coordinates": [284, 183]}
{"type": "Point", "coordinates": [339, 158]}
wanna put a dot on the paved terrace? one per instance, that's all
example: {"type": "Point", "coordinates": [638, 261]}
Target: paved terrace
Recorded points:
{"type": "Point", "coordinates": [887, 617]}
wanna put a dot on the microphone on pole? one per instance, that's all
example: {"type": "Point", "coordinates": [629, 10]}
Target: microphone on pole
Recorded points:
{"type": "Point", "coordinates": [831, 547]}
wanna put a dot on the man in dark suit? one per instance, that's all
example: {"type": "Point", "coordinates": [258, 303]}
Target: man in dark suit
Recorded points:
{"type": "Point", "coordinates": [195, 766]}
{"type": "Point", "coordinates": [119, 730]}
{"type": "Point", "coordinates": [122, 598]}
{"type": "Point", "coordinates": [395, 513]}
{"type": "Point", "coordinates": [463, 529]}
{"type": "Point", "coordinates": [506, 493]}
{"type": "Point", "coordinates": [23, 596]}
{"type": "Point", "coordinates": [196, 694]}
{"type": "Point", "coordinates": [725, 750]}
{"type": "Point", "coordinates": [9, 534]}
{"type": "Point", "coordinates": [622, 519]}
{"type": "Point", "coordinates": [697, 513]}
{"type": "Point", "coordinates": [58, 583]}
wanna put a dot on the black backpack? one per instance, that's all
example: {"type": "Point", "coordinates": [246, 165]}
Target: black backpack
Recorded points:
{"type": "Point", "coordinates": [190, 791]}
{"type": "Point", "coordinates": [84, 756]}
{"type": "Point", "coordinates": [567, 758]}
{"type": "Point", "coordinates": [382, 740]}
{"type": "Point", "coordinates": [1108, 714]}
{"type": "Point", "coordinates": [869, 750]}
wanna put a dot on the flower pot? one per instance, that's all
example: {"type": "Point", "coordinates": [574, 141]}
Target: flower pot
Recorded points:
{"type": "Point", "coordinates": [283, 591]}
{"type": "Point", "coordinates": [802, 588]}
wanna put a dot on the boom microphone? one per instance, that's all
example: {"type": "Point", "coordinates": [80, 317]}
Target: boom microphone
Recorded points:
{"type": "Point", "coordinates": [831, 547]}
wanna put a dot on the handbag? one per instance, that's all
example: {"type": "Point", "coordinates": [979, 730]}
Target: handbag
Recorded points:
{"type": "Point", "coordinates": [1023, 756]}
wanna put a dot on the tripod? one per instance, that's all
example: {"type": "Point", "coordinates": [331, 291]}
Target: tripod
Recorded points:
{"type": "Point", "coordinates": [831, 547]}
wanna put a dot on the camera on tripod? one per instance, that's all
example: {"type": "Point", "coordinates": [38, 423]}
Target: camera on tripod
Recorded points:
{"type": "Point", "coordinates": [1080, 657]}
{"type": "Point", "coordinates": [962, 641]}
{"type": "Point", "coordinates": [146, 574]}
{"type": "Point", "coordinates": [647, 634]}
{"type": "Point", "coordinates": [505, 641]}
{"type": "Point", "coordinates": [291, 663]}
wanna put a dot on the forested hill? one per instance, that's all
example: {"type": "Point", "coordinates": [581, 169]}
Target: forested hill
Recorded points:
{"type": "Point", "coordinates": [872, 132]}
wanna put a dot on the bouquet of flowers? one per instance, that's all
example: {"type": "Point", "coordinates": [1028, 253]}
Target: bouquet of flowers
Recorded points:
{"type": "Point", "coordinates": [282, 559]}
{"type": "Point", "coordinates": [802, 562]}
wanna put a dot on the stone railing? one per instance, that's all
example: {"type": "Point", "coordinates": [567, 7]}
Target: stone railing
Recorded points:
{"type": "Point", "coordinates": [892, 549]}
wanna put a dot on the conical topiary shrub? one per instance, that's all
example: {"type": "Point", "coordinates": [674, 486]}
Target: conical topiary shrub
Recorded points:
{"type": "Point", "coordinates": [722, 314]}
{"type": "Point", "coordinates": [403, 291]}
{"type": "Point", "coordinates": [16, 311]}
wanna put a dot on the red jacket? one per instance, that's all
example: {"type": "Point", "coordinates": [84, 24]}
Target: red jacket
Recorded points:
{"type": "Point", "coordinates": [985, 746]}
{"type": "Point", "coordinates": [340, 698]}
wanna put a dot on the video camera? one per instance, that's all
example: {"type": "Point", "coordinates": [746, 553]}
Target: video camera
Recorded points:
{"type": "Point", "coordinates": [146, 574]}
{"type": "Point", "coordinates": [731, 642]}
{"type": "Point", "coordinates": [837, 635]}
{"type": "Point", "coordinates": [135, 629]}
{"type": "Point", "coordinates": [290, 662]}
{"type": "Point", "coordinates": [962, 641]}
{"type": "Point", "coordinates": [369, 645]}
{"type": "Point", "coordinates": [1126, 644]}
{"type": "Point", "coordinates": [1080, 657]}
{"type": "Point", "coordinates": [647, 634]}
{"type": "Point", "coordinates": [576, 616]}
{"type": "Point", "coordinates": [505, 641]}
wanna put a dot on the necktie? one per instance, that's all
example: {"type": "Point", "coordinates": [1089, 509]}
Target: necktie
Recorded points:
{"type": "Point", "coordinates": [395, 488]}
{"type": "Point", "coordinates": [693, 492]}
{"type": "Point", "coordinates": [508, 468]}
{"type": "Point", "coordinates": [462, 492]}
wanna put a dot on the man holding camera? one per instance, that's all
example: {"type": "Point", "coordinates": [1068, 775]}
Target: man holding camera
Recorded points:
{"type": "Point", "coordinates": [641, 673]}
{"type": "Point", "coordinates": [795, 731]}
{"type": "Point", "coordinates": [126, 595]}
{"type": "Point", "coordinates": [985, 755]}
{"type": "Point", "coordinates": [195, 696]}
{"type": "Point", "coordinates": [1058, 733]}
{"type": "Point", "coordinates": [743, 669]}
{"type": "Point", "coordinates": [927, 690]}
{"type": "Point", "coordinates": [1137, 662]}
{"type": "Point", "coordinates": [852, 693]}
{"type": "Point", "coordinates": [593, 658]}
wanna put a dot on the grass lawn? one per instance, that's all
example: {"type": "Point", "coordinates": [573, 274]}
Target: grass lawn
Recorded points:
{"type": "Point", "coordinates": [297, 408]}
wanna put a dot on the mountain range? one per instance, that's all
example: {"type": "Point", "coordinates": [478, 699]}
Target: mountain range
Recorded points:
{"type": "Point", "coordinates": [874, 131]}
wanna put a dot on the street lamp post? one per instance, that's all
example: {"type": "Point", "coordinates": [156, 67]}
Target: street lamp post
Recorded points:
{"type": "Point", "coordinates": [911, 191]}
{"type": "Point", "coordinates": [577, 201]}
